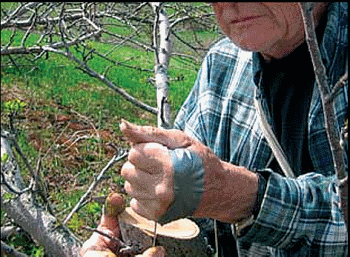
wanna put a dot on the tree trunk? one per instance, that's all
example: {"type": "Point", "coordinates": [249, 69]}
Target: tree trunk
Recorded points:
{"type": "Point", "coordinates": [162, 44]}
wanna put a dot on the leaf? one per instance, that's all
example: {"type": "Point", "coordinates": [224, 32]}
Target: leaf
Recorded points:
{"type": "Point", "coordinates": [14, 105]}
{"type": "Point", "coordinates": [5, 157]}
{"type": "Point", "coordinates": [75, 222]}
{"type": "Point", "coordinates": [93, 208]}
{"type": "Point", "coordinates": [8, 196]}
{"type": "Point", "coordinates": [38, 252]}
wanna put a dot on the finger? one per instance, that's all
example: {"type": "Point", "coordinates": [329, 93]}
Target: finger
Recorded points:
{"type": "Point", "coordinates": [94, 253]}
{"type": "Point", "coordinates": [152, 158]}
{"type": "Point", "coordinates": [99, 245]}
{"type": "Point", "coordinates": [146, 187]}
{"type": "Point", "coordinates": [136, 192]}
{"type": "Point", "coordinates": [135, 175]}
{"type": "Point", "coordinates": [137, 179]}
{"type": "Point", "coordinates": [145, 134]}
{"type": "Point", "coordinates": [157, 251]}
{"type": "Point", "coordinates": [149, 209]}
{"type": "Point", "coordinates": [114, 205]}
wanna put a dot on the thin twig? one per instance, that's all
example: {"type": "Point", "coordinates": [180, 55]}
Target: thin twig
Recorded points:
{"type": "Point", "coordinates": [117, 157]}
{"type": "Point", "coordinates": [113, 238]}
{"type": "Point", "coordinates": [156, 8]}
{"type": "Point", "coordinates": [123, 248]}
{"type": "Point", "coordinates": [336, 88]}
{"type": "Point", "coordinates": [94, 74]}
{"type": "Point", "coordinates": [23, 156]}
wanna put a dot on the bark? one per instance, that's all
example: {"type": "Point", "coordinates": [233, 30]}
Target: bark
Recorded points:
{"type": "Point", "coordinates": [44, 228]}
{"type": "Point", "coordinates": [162, 45]}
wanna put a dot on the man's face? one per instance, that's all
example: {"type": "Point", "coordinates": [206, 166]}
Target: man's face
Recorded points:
{"type": "Point", "coordinates": [274, 29]}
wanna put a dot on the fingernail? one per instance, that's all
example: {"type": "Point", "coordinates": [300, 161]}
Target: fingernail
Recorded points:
{"type": "Point", "coordinates": [115, 204]}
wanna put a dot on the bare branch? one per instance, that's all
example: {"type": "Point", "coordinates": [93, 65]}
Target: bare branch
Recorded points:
{"type": "Point", "coordinates": [39, 49]}
{"type": "Point", "coordinates": [335, 90]}
{"type": "Point", "coordinates": [117, 157]}
{"type": "Point", "coordinates": [322, 82]}
{"type": "Point", "coordinates": [105, 80]}
{"type": "Point", "coordinates": [162, 55]}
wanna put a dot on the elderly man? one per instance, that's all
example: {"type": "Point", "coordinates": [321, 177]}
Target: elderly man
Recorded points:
{"type": "Point", "coordinates": [217, 163]}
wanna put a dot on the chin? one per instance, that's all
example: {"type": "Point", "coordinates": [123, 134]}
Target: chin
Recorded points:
{"type": "Point", "coordinates": [253, 47]}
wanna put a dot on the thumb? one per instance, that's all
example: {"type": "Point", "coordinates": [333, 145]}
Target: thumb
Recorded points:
{"type": "Point", "coordinates": [114, 205]}
{"type": "Point", "coordinates": [94, 253]}
{"type": "Point", "coordinates": [171, 138]}
{"type": "Point", "coordinates": [157, 251]}
{"type": "Point", "coordinates": [101, 246]}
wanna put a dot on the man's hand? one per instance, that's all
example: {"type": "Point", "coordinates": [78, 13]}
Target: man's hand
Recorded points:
{"type": "Point", "coordinates": [171, 175]}
{"type": "Point", "coordinates": [101, 246]}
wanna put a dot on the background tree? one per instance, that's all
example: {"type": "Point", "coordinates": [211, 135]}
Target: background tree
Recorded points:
{"type": "Point", "coordinates": [77, 31]}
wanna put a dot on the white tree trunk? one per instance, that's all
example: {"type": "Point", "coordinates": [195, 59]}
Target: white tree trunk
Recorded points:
{"type": "Point", "coordinates": [162, 45]}
{"type": "Point", "coordinates": [56, 239]}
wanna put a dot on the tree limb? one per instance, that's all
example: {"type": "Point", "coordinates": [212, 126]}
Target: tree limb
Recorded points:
{"type": "Point", "coordinates": [56, 239]}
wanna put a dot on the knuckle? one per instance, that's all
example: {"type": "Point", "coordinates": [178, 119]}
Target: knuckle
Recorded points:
{"type": "Point", "coordinates": [164, 194]}
{"type": "Point", "coordinates": [133, 155]}
{"type": "Point", "coordinates": [126, 170]}
{"type": "Point", "coordinates": [127, 187]}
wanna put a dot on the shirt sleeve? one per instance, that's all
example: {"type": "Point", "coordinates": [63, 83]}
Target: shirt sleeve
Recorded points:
{"type": "Point", "coordinates": [302, 211]}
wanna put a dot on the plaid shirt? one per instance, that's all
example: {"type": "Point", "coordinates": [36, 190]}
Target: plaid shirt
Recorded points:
{"type": "Point", "coordinates": [298, 216]}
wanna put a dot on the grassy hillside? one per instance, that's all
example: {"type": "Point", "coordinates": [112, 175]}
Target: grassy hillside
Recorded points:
{"type": "Point", "coordinates": [68, 120]}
